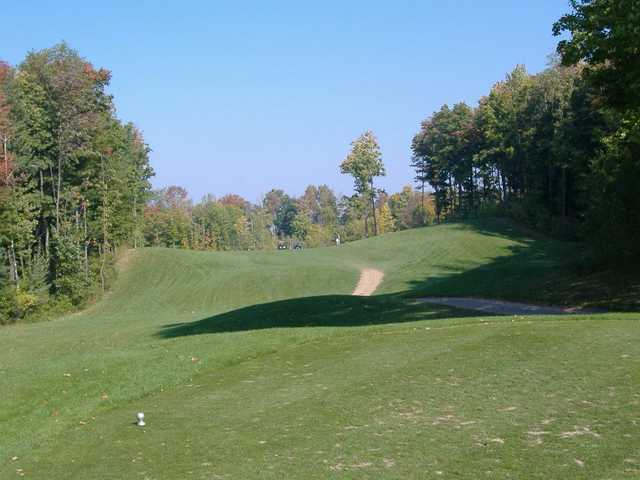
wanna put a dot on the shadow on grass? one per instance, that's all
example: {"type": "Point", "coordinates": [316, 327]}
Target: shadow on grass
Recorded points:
{"type": "Point", "coordinates": [320, 311]}
{"type": "Point", "coordinates": [530, 271]}
{"type": "Point", "coordinates": [535, 270]}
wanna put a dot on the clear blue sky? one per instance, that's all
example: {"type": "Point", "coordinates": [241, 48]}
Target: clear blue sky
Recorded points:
{"type": "Point", "coordinates": [246, 96]}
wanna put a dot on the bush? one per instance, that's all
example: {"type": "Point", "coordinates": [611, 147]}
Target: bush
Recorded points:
{"type": "Point", "coordinates": [8, 305]}
{"type": "Point", "coordinates": [26, 302]}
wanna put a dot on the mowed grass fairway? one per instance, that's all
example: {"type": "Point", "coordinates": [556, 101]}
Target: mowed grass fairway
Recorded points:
{"type": "Point", "coordinates": [262, 365]}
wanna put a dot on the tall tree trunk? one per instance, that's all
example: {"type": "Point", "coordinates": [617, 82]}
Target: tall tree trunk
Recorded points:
{"type": "Point", "coordinates": [105, 228]}
{"type": "Point", "coordinates": [46, 241]}
{"type": "Point", "coordinates": [6, 158]}
{"type": "Point", "coordinates": [13, 264]}
{"type": "Point", "coordinates": [563, 208]}
{"type": "Point", "coordinates": [135, 222]}
{"type": "Point", "coordinates": [373, 210]}
{"type": "Point", "coordinates": [86, 242]}
{"type": "Point", "coordinates": [43, 218]}
{"type": "Point", "coordinates": [424, 211]}
{"type": "Point", "coordinates": [53, 188]}
{"type": "Point", "coordinates": [452, 196]}
{"type": "Point", "coordinates": [474, 189]}
{"type": "Point", "coordinates": [58, 188]}
{"type": "Point", "coordinates": [101, 250]}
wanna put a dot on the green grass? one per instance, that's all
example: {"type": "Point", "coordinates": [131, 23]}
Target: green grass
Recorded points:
{"type": "Point", "coordinates": [261, 365]}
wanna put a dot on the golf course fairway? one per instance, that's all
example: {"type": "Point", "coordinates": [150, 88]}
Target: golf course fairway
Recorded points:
{"type": "Point", "coordinates": [264, 365]}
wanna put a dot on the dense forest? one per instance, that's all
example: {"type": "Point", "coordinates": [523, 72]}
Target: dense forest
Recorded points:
{"type": "Point", "coordinates": [558, 150]}
{"type": "Point", "coordinates": [74, 182]}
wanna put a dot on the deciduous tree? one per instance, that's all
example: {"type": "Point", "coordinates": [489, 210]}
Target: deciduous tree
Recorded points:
{"type": "Point", "coordinates": [364, 164]}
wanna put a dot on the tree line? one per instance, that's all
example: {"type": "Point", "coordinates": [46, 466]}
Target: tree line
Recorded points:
{"type": "Point", "coordinates": [74, 182]}
{"type": "Point", "coordinates": [558, 150]}
{"type": "Point", "coordinates": [316, 218]}
{"type": "Point", "coordinates": [508, 151]}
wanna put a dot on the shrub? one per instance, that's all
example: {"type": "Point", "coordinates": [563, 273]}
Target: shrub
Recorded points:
{"type": "Point", "coordinates": [8, 305]}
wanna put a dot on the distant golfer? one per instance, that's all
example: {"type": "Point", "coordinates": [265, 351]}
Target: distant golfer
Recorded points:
{"type": "Point", "coordinates": [337, 240]}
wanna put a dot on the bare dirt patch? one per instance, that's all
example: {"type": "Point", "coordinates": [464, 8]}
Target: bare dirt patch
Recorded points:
{"type": "Point", "coordinates": [370, 278]}
{"type": "Point", "coordinates": [500, 307]}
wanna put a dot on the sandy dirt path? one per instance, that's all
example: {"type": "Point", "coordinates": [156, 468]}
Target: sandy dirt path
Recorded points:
{"type": "Point", "coordinates": [370, 278]}
{"type": "Point", "coordinates": [499, 307]}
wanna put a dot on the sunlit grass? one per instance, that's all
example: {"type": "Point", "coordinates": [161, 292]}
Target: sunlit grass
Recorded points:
{"type": "Point", "coordinates": [261, 365]}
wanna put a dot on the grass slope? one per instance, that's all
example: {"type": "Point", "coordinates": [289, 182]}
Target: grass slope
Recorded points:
{"type": "Point", "coordinates": [261, 365]}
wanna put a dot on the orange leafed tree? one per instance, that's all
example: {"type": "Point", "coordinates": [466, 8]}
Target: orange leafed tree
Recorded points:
{"type": "Point", "coordinates": [234, 199]}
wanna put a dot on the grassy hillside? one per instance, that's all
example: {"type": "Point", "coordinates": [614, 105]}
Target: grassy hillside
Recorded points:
{"type": "Point", "coordinates": [261, 365]}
